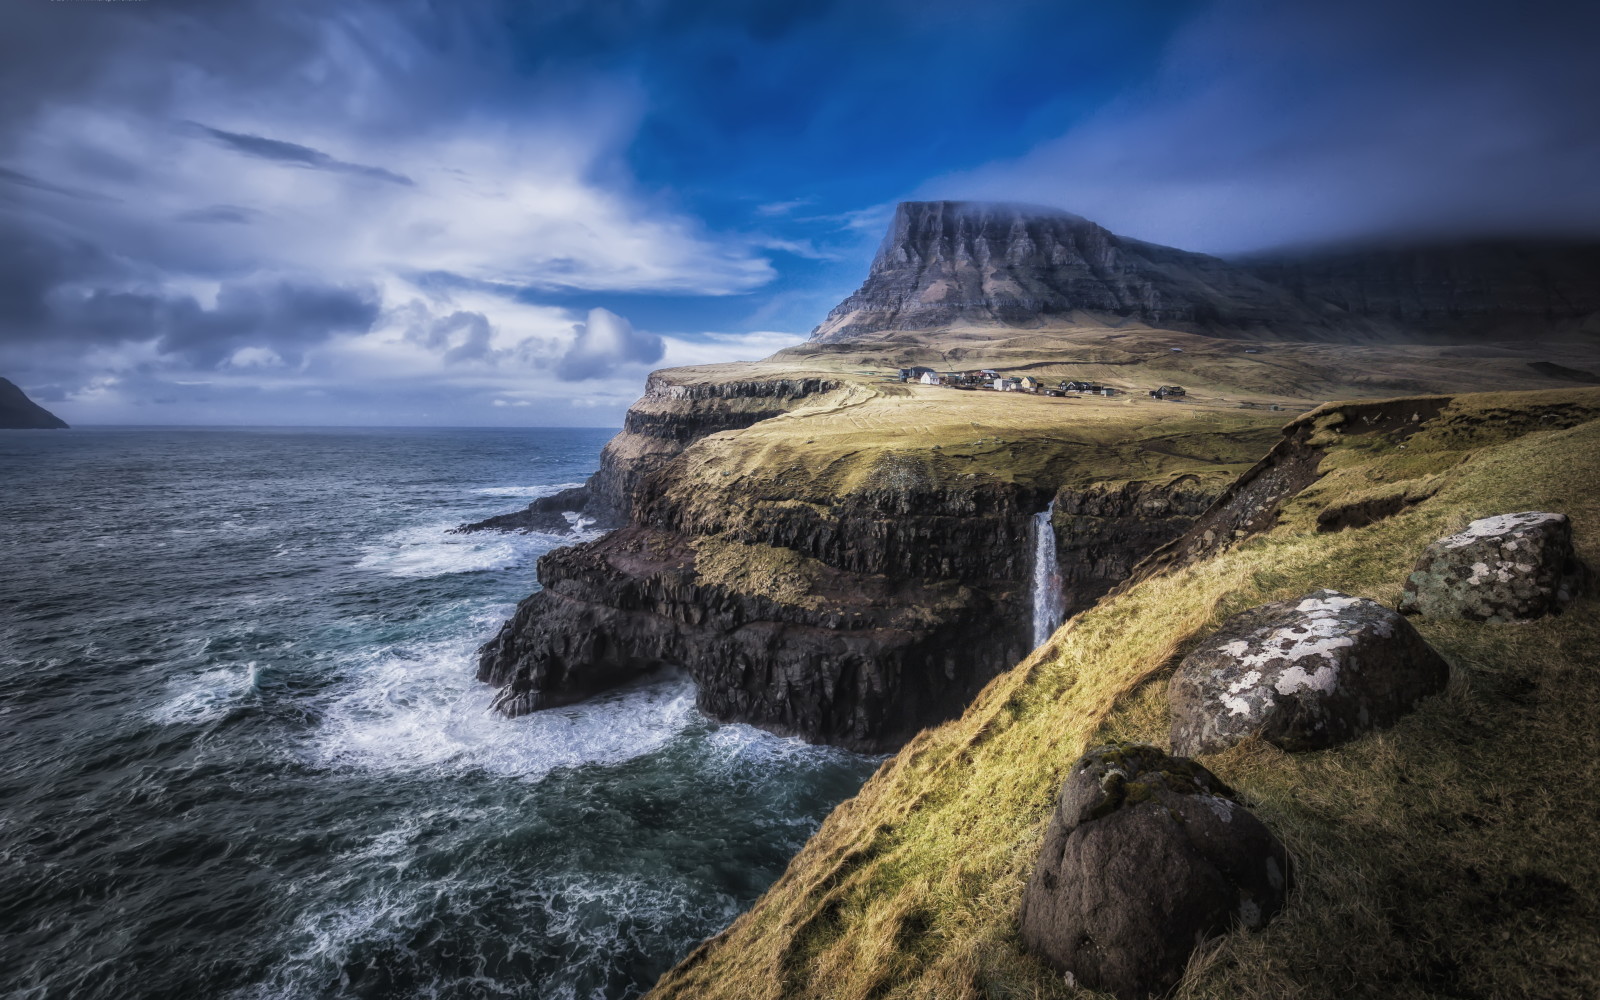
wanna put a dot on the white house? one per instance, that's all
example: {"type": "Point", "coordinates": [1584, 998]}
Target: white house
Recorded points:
{"type": "Point", "coordinates": [930, 378]}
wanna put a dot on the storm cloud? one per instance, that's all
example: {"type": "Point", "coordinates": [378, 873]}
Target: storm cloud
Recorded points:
{"type": "Point", "coordinates": [454, 206]}
{"type": "Point", "coordinates": [297, 155]}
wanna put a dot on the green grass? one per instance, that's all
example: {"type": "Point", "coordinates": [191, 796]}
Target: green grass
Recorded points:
{"type": "Point", "coordinates": [1453, 855]}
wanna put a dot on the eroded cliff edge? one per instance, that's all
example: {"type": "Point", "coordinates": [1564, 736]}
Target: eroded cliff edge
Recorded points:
{"type": "Point", "coordinates": [833, 558]}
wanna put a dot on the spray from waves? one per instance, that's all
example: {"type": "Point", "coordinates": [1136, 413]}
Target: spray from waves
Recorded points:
{"type": "Point", "coordinates": [432, 550]}
{"type": "Point", "coordinates": [208, 696]}
{"type": "Point", "coordinates": [531, 492]}
{"type": "Point", "coordinates": [418, 706]}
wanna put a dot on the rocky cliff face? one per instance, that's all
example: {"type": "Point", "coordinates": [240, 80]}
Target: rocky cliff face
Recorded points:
{"type": "Point", "coordinates": [853, 615]}
{"type": "Point", "coordinates": [949, 264]}
{"type": "Point", "coordinates": [671, 415]}
{"type": "Point", "coordinates": [945, 263]}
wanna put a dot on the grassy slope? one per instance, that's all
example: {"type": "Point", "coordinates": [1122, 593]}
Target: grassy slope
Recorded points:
{"type": "Point", "coordinates": [1450, 856]}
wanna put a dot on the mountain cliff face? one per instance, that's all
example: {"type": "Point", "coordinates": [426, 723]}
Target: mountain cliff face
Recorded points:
{"type": "Point", "coordinates": [946, 264]}
{"type": "Point", "coordinates": [18, 412]}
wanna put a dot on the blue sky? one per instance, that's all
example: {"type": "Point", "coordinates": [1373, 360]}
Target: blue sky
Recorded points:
{"type": "Point", "coordinates": [494, 212]}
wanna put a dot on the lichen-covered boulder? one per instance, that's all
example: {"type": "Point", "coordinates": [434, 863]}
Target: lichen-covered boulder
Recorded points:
{"type": "Point", "coordinates": [1302, 674]}
{"type": "Point", "coordinates": [1500, 569]}
{"type": "Point", "coordinates": [1146, 856]}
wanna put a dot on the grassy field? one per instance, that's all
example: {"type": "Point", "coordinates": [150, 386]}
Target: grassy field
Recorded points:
{"type": "Point", "coordinates": [1453, 855]}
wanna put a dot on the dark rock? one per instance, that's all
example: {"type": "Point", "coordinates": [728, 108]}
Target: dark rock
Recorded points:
{"type": "Point", "coordinates": [546, 514]}
{"type": "Point", "coordinates": [1302, 674]}
{"type": "Point", "coordinates": [18, 412]}
{"type": "Point", "coordinates": [1512, 567]}
{"type": "Point", "coordinates": [1146, 856]}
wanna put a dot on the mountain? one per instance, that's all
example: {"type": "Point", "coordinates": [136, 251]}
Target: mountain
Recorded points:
{"type": "Point", "coordinates": [1474, 289]}
{"type": "Point", "coordinates": [947, 264]}
{"type": "Point", "coordinates": [18, 412]}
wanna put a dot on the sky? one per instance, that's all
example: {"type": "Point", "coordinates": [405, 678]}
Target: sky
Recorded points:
{"type": "Point", "coordinates": [507, 212]}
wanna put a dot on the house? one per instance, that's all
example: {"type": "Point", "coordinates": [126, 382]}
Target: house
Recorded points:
{"type": "Point", "coordinates": [1027, 384]}
{"type": "Point", "coordinates": [1107, 391]}
{"type": "Point", "coordinates": [1167, 391]}
{"type": "Point", "coordinates": [914, 374]}
{"type": "Point", "coordinates": [929, 378]}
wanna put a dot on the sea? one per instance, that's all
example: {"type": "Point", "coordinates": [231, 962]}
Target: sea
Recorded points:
{"type": "Point", "coordinates": [243, 753]}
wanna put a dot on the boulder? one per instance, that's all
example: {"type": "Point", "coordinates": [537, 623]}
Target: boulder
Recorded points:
{"type": "Point", "coordinates": [1303, 674]}
{"type": "Point", "coordinates": [1147, 856]}
{"type": "Point", "coordinates": [1508, 568]}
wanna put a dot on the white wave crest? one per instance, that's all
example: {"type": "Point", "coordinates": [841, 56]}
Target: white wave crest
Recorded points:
{"type": "Point", "coordinates": [420, 707]}
{"type": "Point", "coordinates": [531, 492]}
{"type": "Point", "coordinates": [208, 696]}
{"type": "Point", "coordinates": [431, 550]}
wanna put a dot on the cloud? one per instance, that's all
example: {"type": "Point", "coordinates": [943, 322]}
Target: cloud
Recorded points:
{"type": "Point", "coordinates": [1291, 123]}
{"type": "Point", "coordinates": [297, 155]}
{"type": "Point", "coordinates": [272, 214]}
{"type": "Point", "coordinates": [605, 341]}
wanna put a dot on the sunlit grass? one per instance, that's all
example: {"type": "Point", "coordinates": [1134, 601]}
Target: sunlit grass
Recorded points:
{"type": "Point", "coordinates": [1451, 855]}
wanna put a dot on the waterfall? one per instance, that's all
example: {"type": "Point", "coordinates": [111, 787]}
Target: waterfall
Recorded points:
{"type": "Point", "coordinates": [1046, 577]}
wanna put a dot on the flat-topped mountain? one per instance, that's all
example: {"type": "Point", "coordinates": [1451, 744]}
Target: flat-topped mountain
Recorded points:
{"type": "Point", "coordinates": [945, 264]}
{"type": "Point", "coordinates": [18, 412]}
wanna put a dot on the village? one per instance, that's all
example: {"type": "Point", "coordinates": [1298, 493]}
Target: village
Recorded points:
{"type": "Point", "coordinates": [994, 381]}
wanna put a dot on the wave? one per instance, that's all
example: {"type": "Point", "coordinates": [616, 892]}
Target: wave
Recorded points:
{"type": "Point", "coordinates": [209, 696]}
{"type": "Point", "coordinates": [419, 706]}
{"type": "Point", "coordinates": [432, 550]}
{"type": "Point", "coordinates": [531, 492]}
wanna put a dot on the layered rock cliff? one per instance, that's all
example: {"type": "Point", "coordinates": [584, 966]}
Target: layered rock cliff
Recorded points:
{"type": "Point", "coordinates": [947, 263]}
{"type": "Point", "coordinates": [850, 595]}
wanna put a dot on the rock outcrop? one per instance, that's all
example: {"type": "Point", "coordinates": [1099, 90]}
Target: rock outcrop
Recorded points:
{"type": "Point", "coordinates": [18, 412]}
{"type": "Point", "coordinates": [547, 514]}
{"type": "Point", "coordinates": [1146, 856]}
{"type": "Point", "coordinates": [1303, 674]}
{"type": "Point", "coordinates": [1508, 568]}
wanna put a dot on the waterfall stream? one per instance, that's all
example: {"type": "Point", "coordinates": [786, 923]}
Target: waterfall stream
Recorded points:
{"type": "Point", "coordinates": [1046, 577]}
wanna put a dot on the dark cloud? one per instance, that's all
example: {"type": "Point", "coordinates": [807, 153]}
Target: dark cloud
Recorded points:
{"type": "Point", "coordinates": [60, 296]}
{"type": "Point", "coordinates": [21, 179]}
{"type": "Point", "coordinates": [296, 155]}
{"type": "Point", "coordinates": [220, 213]}
{"type": "Point", "coordinates": [605, 341]}
{"type": "Point", "coordinates": [463, 335]}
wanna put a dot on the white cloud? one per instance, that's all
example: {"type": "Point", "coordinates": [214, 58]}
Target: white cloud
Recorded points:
{"type": "Point", "coordinates": [603, 342]}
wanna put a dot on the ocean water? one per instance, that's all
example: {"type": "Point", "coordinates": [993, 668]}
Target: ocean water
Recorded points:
{"type": "Point", "coordinates": [242, 753]}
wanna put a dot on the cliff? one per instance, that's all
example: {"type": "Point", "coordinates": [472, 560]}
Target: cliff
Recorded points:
{"type": "Point", "coordinates": [823, 578]}
{"type": "Point", "coordinates": [1426, 857]}
{"type": "Point", "coordinates": [18, 412]}
{"type": "Point", "coordinates": [947, 264]}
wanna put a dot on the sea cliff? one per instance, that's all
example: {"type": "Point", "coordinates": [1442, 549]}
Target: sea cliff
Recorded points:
{"type": "Point", "coordinates": [845, 587]}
